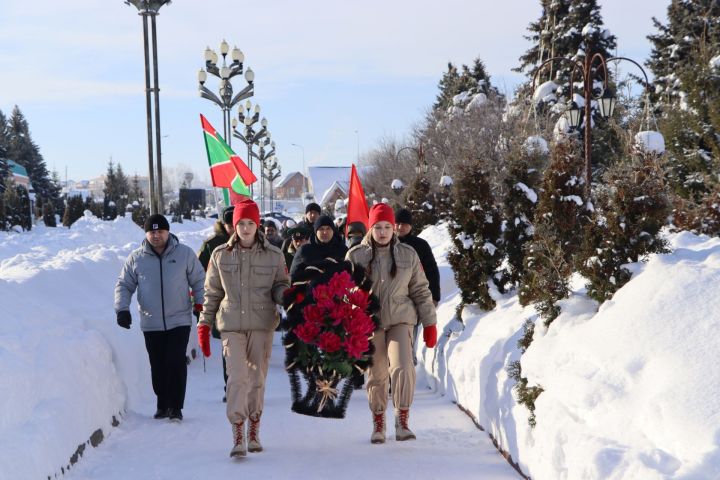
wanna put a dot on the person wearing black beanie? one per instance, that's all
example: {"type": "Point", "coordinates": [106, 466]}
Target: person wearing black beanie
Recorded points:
{"type": "Point", "coordinates": [325, 243]}
{"type": "Point", "coordinates": [162, 272]}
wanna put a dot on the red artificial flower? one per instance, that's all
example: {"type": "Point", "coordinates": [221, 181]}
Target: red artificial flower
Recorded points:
{"type": "Point", "coordinates": [359, 323]}
{"type": "Point", "coordinates": [341, 311]}
{"type": "Point", "coordinates": [323, 296]}
{"type": "Point", "coordinates": [329, 342]}
{"type": "Point", "coordinates": [356, 345]}
{"type": "Point", "coordinates": [359, 298]}
{"type": "Point", "coordinates": [307, 332]}
{"type": "Point", "coordinates": [314, 314]}
{"type": "Point", "coordinates": [299, 297]}
{"type": "Point", "coordinates": [341, 282]}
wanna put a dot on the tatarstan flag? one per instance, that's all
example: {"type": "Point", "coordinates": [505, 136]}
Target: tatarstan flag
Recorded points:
{"type": "Point", "coordinates": [226, 167]}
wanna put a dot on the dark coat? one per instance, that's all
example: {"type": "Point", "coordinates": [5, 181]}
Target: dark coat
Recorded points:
{"type": "Point", "coordinates": [428, 262]}
{"type": "Point", "coordinates": [211, 243]}
{"type": "Point", "coordinates": [315, 251]}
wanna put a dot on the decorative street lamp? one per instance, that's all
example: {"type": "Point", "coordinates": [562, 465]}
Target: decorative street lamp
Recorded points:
{"type": "Point", "coordinates": [593, 64]}
{"type": "Point", "coordinates": [264, 156]}
{"type": "Point", "coordinates": [271, 172]}
{"type": "Point", "coordinates": [421, 168]}
{"type": "Point", "coordinates": [225, 100]}
{"type": "Point", "coordinates": [150, 8]}
{"type": "Point", "coordinates": [249, 136]}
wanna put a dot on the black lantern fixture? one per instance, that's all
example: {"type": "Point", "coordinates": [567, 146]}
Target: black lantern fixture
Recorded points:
{"type": "Point", "coordinates": [606, 103]}
{"type": "Point", "coordinates": [574, 115]}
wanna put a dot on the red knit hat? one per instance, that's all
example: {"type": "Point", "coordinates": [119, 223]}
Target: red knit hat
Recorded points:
{"type": "Point", "coordinates": [381, 212]}
{"type": "Point", "coordinates": [246, 209]}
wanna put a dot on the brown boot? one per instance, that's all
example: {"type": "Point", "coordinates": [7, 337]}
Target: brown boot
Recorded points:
{"type": "Point", "coordinates": [402, 431]}
{"type": "Point", "coordinates": [254, 444]}
{"type": "Point", "coordinates": [378, 434]}
{"type": "Point", "coordinates": [239, 449]}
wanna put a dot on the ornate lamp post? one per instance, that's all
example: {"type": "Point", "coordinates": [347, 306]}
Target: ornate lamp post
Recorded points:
{"type": "Point", "coordinates": [421, 168]}
{"type": "Point", "coordinates": [271, 172]}
{"type": "Point", "coordinates": [397, 186]}
{"type": "Point", "coordinates": [264, 156]}
{"type": "Point", "coordinates": [593, 64]}
{"type": "Point", "coordinates": [225, 100]}
{"type": "Point", "coordinates": [249, 136]}
{"type": "Point", "coordinates": [150, 8]}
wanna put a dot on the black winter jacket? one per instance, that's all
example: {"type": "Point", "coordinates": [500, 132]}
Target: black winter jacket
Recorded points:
{"type": "Point", "coordinates": [428, 262]}
{"type": "Point", "coordinates": [315, 251]}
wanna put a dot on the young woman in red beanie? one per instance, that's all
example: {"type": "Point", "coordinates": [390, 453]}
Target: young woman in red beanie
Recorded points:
{"type": "Point", "coordinates": [405, 299]}
{"type": "Point", "coordinates": [244, 281]}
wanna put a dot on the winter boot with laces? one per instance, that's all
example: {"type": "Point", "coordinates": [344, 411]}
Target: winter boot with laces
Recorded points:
{"type": "Point", "coordinates": [239, 449]}
{"type": "Point", "coordinates": [402, 431]}
{"type": "Point", "coordinates": [378, 434]}
{"type": "Point", "coordinates": [254, 444]}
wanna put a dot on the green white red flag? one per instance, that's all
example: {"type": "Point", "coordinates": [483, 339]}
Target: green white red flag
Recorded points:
{"type": "Point", "coordinates": [226, 167]}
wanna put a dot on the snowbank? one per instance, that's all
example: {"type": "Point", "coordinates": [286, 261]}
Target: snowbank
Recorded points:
{"type": "Point", "coordinates": [65, 366]}
{"type": "Point", "coordinates": [630, 391]}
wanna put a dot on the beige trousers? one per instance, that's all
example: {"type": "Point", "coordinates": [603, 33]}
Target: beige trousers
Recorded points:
{"type": "Point", "coordinates": [392, 365]}
{"type": "Point", "coordinates": [247, 355]}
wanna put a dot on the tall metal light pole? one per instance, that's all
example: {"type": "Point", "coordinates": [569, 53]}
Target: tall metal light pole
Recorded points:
{"type": "Point", "coordinates": [150, 8]}
{"type": "Point", "coordinates": [593, 64]}
{"type": "Point", "coordinates": [304, 173]}
{"type": "Point", "coordinates": [249, 136]}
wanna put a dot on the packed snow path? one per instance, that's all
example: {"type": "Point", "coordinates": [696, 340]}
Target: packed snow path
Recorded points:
{"type": "Point", "coordinates": [448, 445]}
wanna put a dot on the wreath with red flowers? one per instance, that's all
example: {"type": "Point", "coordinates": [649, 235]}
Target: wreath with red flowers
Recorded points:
{"type": "Point", "coordinates": [330, 321]}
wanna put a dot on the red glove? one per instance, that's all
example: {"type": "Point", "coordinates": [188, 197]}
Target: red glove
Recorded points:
{"type": "Point", "coordinates": [198, 307]}
{"type": "Point", "coordinates": [430, 336]}
{"type": "Point", "coordinates": [204, 339]}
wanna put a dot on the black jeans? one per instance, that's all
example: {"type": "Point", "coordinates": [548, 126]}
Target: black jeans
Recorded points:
{"type": "Point", "coordinates": [168, 366]}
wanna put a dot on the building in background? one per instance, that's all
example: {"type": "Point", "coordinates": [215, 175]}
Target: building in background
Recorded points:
{"type": "Point", "coordinates": [290, 187]}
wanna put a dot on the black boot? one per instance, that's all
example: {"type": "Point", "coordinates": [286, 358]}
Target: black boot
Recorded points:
{"type": "Point", "coordinates": [161, 413]}
{"type": "Point", "coordinates": [175, 414]}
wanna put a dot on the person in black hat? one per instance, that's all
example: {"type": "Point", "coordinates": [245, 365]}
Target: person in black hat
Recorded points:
{"type": "Point", "coordinates": [162, 270]}
{"type": "Point", "coordinates": [355, 233]}
{"type": "Point", "coordinates": [325, 243]}
{"type": "Point", "coordinates": [312, 212]}
{"type": "Point", "coordinates": [222, 231]}
{"type": "Point", "coordinates": [403, 228]}
{"type": "Point", "coordinates": [298, 236]}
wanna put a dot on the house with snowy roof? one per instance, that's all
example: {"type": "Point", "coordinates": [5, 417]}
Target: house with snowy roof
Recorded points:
{"type": "Point", "coordinates": [290, 187]}
{"type": "Point", "coordinates": [328, 184]}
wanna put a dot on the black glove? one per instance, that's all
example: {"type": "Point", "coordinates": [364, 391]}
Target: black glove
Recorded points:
{"type": "Point", "coordinates": [124, 319]}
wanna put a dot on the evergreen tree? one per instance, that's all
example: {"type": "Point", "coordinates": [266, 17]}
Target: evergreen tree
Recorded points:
{"type": "Point", "coordinates": [472, 80]}
{"type": "Point", "coordinates": [475, 230]}
{"type": "Point", "coordinates": [48, 214]}
{"type": "Point", "coordinates": [559, 219]}
{"type": "Point", "coordinates": [17, 205]}
{"type": "Point", "coordinates": [93, 207]}
{"type": "Point", "coordinates": [686, 69]}
{"type": "Point", "coordinates": [4, 145]}
{"type": "Point", "coordinates": [524, 164]}
{"type": "Point", "coordinates": [419, 200]}
{"type": "Point", "coordinates": [23, 150]}
{"type": "Point", "coordinates": [73, 210]}
{"type": "Point", "coordinates": [573, 30]}
{"type": "Point", "coordinates": [626, 225]}
{"type": "Point", "coordinates": [123, 188]}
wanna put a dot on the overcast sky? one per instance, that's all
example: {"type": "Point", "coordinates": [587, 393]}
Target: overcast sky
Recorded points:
{"type": "Point", "coordinates": [327, 73]}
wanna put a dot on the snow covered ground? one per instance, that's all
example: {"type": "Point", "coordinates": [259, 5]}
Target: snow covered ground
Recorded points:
{"type": "Point", "coordinates": [67, 370]}
{"type": "Point", "coordinates": [630, 391]}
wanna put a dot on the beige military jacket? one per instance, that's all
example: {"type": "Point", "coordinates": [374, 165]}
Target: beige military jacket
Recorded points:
{"type": "Point", "coordinates": [242, 287]}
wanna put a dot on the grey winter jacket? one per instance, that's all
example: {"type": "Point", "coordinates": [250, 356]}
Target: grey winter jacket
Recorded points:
{"type": "Point", "coordinates": [163, 284]}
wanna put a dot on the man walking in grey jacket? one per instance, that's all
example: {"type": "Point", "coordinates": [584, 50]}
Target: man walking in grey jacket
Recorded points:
{"type": "Point", "coordinates": [163, 272]}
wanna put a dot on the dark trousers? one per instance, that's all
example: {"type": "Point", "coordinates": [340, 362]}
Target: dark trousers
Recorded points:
{"type": "Point", "coordinates": [168, 367]}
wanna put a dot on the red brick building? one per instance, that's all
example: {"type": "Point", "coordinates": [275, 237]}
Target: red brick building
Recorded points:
{"type": "Point", "coordinates": [291, 187]}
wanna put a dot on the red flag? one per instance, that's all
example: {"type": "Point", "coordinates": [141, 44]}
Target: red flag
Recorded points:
{"type": "Point", "coordinates": [357, 210]}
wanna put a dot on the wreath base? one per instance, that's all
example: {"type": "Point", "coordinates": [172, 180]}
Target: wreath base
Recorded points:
{"type": "Point", "coordinates": [319, 396]}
